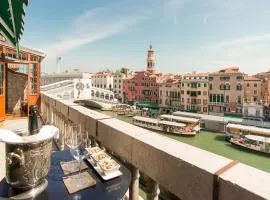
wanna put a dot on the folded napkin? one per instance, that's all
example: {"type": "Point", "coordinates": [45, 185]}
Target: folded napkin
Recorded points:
{"type": "Point", "coordinates": [72, 166]}
{"type": "Point", "coordinates": [79, 182]}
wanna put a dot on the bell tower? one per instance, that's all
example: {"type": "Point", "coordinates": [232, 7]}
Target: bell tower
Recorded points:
{"type": "Point", "coordinates": [150, 59]}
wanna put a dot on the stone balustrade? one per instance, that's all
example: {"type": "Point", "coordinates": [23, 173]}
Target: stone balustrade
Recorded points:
{"type": "Point", "coordinates": [186, 171]}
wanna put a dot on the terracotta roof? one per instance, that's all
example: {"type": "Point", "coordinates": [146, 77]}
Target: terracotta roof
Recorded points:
{"type": "Point", "coordinates": [229, 70]}
{"type": "Point", "coordinates": [197, 74]}
{"type": "Point", "coordinates": [251, 78]}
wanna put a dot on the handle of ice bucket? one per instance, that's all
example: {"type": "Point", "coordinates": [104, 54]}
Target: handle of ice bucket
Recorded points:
{"type": "Point", "coordinates": [17, 155]}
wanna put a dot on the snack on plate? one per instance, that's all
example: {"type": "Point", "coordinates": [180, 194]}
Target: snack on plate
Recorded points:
{"type": "Point", "coordinates": [100, 156]}
{"type": "Point", "coordinates": [94, 150]}
{"type": "Point", "coordinates": [108, 166]}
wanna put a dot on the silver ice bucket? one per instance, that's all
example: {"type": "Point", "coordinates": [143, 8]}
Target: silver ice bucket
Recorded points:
{"type": "Point", "coordinates": [28, 158]}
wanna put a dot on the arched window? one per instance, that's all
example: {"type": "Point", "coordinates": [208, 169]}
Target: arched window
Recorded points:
{"type": "Point", "coordinates": [111, 97]}
{"type": "Point", "coordinates": [92, 93]}
{"type": "Point", "coordinates": [107, 96]}
{"type": "Point", "coordinates": [97, 93]}
{"type": "Point", "coordinates": [102, 95]}
{"type": "Point", "coordinates": [238, 86]}
{"type": "Point", "coordinates": [227, 86]}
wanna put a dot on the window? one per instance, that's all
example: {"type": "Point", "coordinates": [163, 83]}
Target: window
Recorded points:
{"type": "Point", "coordinates": [227, 99]}
{"type": "Point", "coordinates": [188, 92]}
{"type": "Point", "coordinates": [33, 78]}
{"type": "Point", "coordinates": [204, 109]}
{"type": "Point", "coordinates": [199, 85]}
{"type": "Point", "coordinates": [255, 91]}
{"type": "Point", "coordinates": [211, 78]}
{"type": "Point", "coordinates": [247, 84]}
{"type": "Point", "coordinates": [205, 85]}
{"type": "Point", "coordinates": [182, 92]}
{"type": "Point", "coordinates": [255, 84]}
{"type": "Point", "coordinates": [239, 87]}
{"type": "Point", "coordinates": [205, 101]}
{"type": "Point", "coordinates": [239, 99]}
{"type": "Point", "coordinates": [210, 86]}
{"type": "Point", "coordinates": [183, 84]}
{"type": "Point", "coordinates": [239, 78]}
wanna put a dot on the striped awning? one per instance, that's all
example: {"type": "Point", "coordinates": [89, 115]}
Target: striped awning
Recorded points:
{"type": "Point", "coordinates": [12, 20]}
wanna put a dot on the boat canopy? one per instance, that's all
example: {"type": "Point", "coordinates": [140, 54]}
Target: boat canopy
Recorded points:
{"type": "Point", "coordinates": [258, 138]}
{"type": "Point", "coordinates": [168, 123]}
{"type": "Point", "coordinates": [182, 119]}
{"type": "Point", "coordinates": [146, 119]}
{"type": "Point", "coordinates": [252, 129]}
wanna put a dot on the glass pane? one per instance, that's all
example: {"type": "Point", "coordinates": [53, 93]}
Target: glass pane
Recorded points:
{"type": "Point", "coordinates": [33, 78]}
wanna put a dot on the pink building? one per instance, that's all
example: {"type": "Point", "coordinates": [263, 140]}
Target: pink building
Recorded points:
{"type": "Point", "coordinates": [143, 86]}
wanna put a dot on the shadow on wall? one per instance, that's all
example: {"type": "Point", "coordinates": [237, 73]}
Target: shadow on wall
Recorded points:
{"type": "Point", "coordinates": [16, 91]}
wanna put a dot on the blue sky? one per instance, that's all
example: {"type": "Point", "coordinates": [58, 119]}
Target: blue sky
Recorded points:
{"type": "Point", "coordinates": [187, 35]}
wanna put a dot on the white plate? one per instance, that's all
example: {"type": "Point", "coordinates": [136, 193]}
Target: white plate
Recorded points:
{"type": "Point", "coordinates": [100, 172]}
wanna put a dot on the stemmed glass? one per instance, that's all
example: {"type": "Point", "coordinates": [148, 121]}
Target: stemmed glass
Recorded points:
{"type": "Point", "coordinates": [74, 140]}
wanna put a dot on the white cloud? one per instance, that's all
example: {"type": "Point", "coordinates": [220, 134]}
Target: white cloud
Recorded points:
{"type": "Point", "coordinates": [91, 26]}
{"type": "Point", "coordinates": [205, 19]}
{"type": "Point", "coordinates": [244, 40]}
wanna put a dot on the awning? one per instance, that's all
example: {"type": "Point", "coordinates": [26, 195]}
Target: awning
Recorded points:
{"type": "Point", "coordinates": [12, 20]}
{"type": "Point", "coordinates": [148, 105]}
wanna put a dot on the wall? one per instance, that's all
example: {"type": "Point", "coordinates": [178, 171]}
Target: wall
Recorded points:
{"type": "Point", "coordinates": [186, 171]}
{"type": "Point", "coordinates": [16, 91]}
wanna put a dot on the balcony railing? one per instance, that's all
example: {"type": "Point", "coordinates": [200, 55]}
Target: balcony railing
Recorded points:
{"type": "Point", "coordinates": [186, 171]}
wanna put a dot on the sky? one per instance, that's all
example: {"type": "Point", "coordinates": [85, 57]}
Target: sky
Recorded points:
{"type": "Point", "coordinates": [187, 35]}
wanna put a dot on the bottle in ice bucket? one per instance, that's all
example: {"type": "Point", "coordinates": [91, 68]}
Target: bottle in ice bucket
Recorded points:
{"type": "Point", "coordinates": [33, 120]}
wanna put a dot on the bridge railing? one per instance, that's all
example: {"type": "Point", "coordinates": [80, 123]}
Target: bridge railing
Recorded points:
{"type": "Point", "coordinates": [184, 170]}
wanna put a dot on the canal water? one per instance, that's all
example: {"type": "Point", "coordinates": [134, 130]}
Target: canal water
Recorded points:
{"type": "Point", "coordinates": [216, 143]}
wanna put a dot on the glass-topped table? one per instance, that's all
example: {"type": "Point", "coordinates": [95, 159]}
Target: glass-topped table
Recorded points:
{"type": "Point", "coordinates": [109, 190]}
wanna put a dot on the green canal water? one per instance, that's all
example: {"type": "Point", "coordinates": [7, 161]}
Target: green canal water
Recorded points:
{"type": "Point", "coordinates": [215, 142]}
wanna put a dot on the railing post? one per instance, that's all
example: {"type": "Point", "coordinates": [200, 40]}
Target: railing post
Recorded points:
{"type": "Point", "coordinates": [134, 185]}
{"type": "Point", "coordinates": [152, 189]}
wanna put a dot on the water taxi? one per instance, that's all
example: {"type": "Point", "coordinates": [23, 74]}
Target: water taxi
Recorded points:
{"type": "Point", "coordinates": [233, 130]}
{"type": "Point", "coordinates": [192, 123]}
{"type": "Point", "coordinates": [253, 142]}
{"type": "Point", "coordinates": [121, 109]}
{"type": "Point", "coordinates": [164, 126]}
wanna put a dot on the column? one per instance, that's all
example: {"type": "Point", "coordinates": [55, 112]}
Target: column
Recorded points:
{"type": "Point", "coordinates": [152, 189]}
{"type": "Point", "coordinates": [134, 185]}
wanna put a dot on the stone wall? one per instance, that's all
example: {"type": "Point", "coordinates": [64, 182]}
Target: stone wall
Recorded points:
{"type": "Point", "coordinates": [186, 171]}
{"type": "Point", "coordinates": [16, 91]}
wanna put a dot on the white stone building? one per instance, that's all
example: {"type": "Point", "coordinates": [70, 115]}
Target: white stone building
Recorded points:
{"type": "Point", "coordinates": [253, 111]}
{"type": "Point", "coordinates": [103, 80]}
{"type": "Point", "coordinates": [118, 79]}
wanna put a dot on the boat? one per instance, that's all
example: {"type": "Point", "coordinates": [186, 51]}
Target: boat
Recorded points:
{"type": "Point", "coordinates": [164, 126]}
{"type": "Point", "coordinates": [237, 130]}
{"type": "Point", "coordinates": [192, 123]}
{"type": "Point", "coordinates": [253, 142]}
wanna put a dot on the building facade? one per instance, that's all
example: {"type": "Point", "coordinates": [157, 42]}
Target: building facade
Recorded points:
{"type": "Point", "coordinates": [226, 91]}
{"type": "Point", "coordinates": [143, 85]}
{"type": "Point", "coordinates": [194, 92]}
{"type": "Point", "coordinates": [170, 92]}
{"type": "Point", "coordinates": [252, 90]}
{"type": "Point", "coordinates": [265, 86]}
{"type": "Point", "coordinates": [103, 80]}
{"type": "Point", "coordinates": [118, 83]}
{"type": "Point", "coordinates": [19, 80]}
